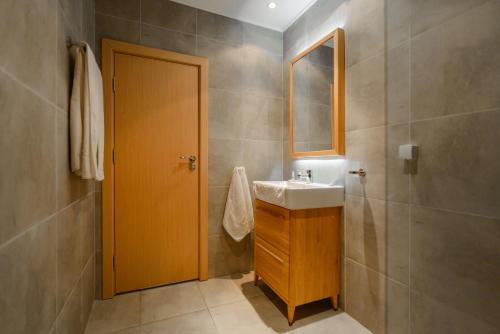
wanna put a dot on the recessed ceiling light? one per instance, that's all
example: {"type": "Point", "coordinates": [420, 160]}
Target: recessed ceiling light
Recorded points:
{"type": "Point", "coordinates": [271, 5]}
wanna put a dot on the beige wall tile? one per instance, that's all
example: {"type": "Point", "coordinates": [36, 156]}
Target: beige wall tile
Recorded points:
{"type": "Point", "coordinates": [27, 139]}
{"type": "Point", "coordinates": [456, 73]}
{"type": "Point", "coordinates": [226, 256]}
{"type": "Point", "coordinates": [425, 14]}
{"type": "Point", "coordinates": [377, 235]}
{"type": "Point", "coordinates": [261, 118]}
{"type": "Point", "coordinates": [458, 164]}
{"type": "Point", "coordinates": [158, 37]}
{"type": "Point", "coordinates": [29, 45]}
{"type": "Point", "coordinates": [365, 94]}
{"type": "Point", "coordinates": [217, 197]}
{"type": "Point", "coordinates": [127, 9]}
{"type": "Point", "coordinates": [455, 261]}
{"type": "Point", "coordinates": [28, 281]}
{"type": "Point", "coordinates": [169, 14]}
{"type": "Point", "coordinates": [225, 114]}
{"type": "Point", "coordinates": [220, 28]}
{"type": "Point", "coordinates": [367, 149]}
{"type": "Point", "coordinates": [376, 302]}
{"type": "Point", "coordinates": [262, 160]}
{"type": "Point", "coordinates": [70, 319]}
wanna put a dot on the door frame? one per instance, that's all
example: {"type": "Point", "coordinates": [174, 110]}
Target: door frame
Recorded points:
{"type": "Point", "coordinates": [109, 49]}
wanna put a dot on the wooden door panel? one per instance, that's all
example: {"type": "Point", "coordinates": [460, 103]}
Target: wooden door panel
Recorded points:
{"type": "Point", "coordinates": [156, 194]}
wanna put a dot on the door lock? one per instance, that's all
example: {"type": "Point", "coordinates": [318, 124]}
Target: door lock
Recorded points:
{"type": "Point", "coordinates": [192, 161]}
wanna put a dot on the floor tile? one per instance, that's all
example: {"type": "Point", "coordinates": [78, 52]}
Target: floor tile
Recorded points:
{"type": "Point", "coordinates": [165, 302]}
{"type": "Point", "coordinates": [123, 311]}
{"type": "Point", "coordinates": [244, 282]}
{"type": "Point", "coordinates": [218, 291]}
{"type": "Point", "coordinates": [193, 323]}
{"type": "Point", "coordinates": [339, 323]}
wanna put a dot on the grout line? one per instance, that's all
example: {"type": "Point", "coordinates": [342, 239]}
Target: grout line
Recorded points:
{"type": "Point", "coordinates": [28, 88]}
{"type": "Point", "coordinates": [466, 113]}
{"type": "Point", "coordinates": [37, 224]}
{"type": "Point", "coordinates": [117, 17]}
{"type": "Point", "coordinates": [377, 272]}
{"type": "Point", "coordinates": [410, 45]}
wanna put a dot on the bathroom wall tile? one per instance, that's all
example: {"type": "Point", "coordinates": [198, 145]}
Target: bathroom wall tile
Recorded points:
{"type": "Point", "coordinates": [98, 221]}
{"type": "Point", "coordinates": [69, 186]}
{"type": "Point", "coordinates": [397, 88]}
{"type": "Point", "coordinates": [432, 316]}
{"type": "Point", "coordinates": [226, 256]}
{"type": "Point", "coordinates": [88, 288]}
{"type": "Point", "coordinates": [88, 31]}
{"type": "Point", "coordinates": [367, 149]}
{"type": "Point", "coordinates": [216, 205]}
{"type": "Point", "coordinates": [261, 118]}
{"type": "Point", "coordinates": [225, 114]}
{"type": "Point", "coordinates": [127, 9]}
{"type": "Point", "coordinates": [226, 64]}
{"type": "Point", "coordinates": [455, 261]}
{"type": "Point", "coordinates": [377, 235]}
{"type": "Point", "coordinates": [72, 247]}
{"type": "Point", "coordinates": [365, 94]}
{"type": "Point", "coordinates": [115, 28]}
{"type": "Point", "coordinates": [263, 38]}
{"type": "Point", "coordinates": [397, 22]}
{"type": "Point", "coordinates": [65, 64]}
{"type": "Point", "coordinates": [73, 12]}
{"type": "Point", "coordinates": [398, 171]}
{"type": "Point", "coordinates": [452, 151]}
{"type": "Point", "coordinates": [454, 72]}
{"type": "Point", "coordinates": [223, 156]}
{"type": "Point", "coordinates": [364, 31]}
{"type": "Point", "coordinates": [87, 229]}
{"type": "Point", "coordinates": [98, 275]}
{"type": "Point", "coordinates": [28, 281]}
{"type": "Point", "coordinates": [168, 40]}
{"type": "Point", "coordinates": [27, 192]}
{"type": "Point", "coordinates": [169, 14]}
{"type": "Point", "coordinates": [262, 160]}
{"type": "Point", "coordinates": [220, 28]}
{"type": "Point", "coordinates": [28, 35]}
{"type": "Point", "coordinates": [262, 72]}
{"type": "Point", "coordinates": [379, 304]}
{"type": "Point", "coordinates": [70, 318]}
{"type": "Point", "coordinates": [428, 14]}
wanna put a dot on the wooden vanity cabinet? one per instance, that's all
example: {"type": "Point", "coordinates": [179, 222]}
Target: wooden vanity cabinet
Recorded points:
{"type": "Point", "coordinates": [297, 253]}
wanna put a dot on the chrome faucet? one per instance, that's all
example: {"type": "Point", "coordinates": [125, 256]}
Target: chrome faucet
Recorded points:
{"type": "Point", "coordinates": [304, 175]}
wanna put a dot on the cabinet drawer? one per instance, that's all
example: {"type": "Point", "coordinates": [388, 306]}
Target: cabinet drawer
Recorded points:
{"type": "Point", "coordinates": [272, 224]}
{"type": "Point", "coordinates": [273, 266]}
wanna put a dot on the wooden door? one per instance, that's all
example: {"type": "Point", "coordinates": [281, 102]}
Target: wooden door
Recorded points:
{"type": "Point", "coordinates": [156, 203]}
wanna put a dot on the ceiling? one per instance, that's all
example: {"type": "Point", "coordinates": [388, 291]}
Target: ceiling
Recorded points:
{"type": "Point", "coordinates": [255, 11]}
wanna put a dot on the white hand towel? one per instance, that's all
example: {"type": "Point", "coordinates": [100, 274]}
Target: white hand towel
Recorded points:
{"type": "Point", "coordinates": [238, 216]}
{"type": "Point", "coordinates": [87, 117]}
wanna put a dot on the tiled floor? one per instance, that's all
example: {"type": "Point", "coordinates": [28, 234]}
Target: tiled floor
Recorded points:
{"type": "Point", "coordinates": [217, 306]}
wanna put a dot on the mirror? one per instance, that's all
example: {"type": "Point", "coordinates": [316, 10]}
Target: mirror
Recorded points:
{"type": "Point", "coordinates": [317, 98]}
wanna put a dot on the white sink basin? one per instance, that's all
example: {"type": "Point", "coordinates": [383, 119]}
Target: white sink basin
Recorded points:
{"type": "Point", "coordinates": [299, 195]}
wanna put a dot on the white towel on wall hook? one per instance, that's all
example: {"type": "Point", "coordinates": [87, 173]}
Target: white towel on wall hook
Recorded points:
{"type": "Point", "coordinates": [238, 216]}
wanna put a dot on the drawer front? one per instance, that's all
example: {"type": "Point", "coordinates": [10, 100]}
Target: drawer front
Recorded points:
{"type": "Point", "coordinates": [272, 224]}
{"type": "Point", "coordinates": [273, 266]}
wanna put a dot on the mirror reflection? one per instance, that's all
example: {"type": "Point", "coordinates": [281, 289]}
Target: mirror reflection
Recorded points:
{"type": "Point", "coordinates": [312, 100]}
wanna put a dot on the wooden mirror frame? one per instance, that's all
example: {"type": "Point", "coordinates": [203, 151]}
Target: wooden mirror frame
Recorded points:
{"type": "Point", "coordinates": [338, 96]}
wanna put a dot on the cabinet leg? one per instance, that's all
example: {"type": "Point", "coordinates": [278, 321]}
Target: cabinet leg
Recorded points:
{"type": "Point", "coordinates": [335, 302]}
{"type": "Point", "coordinates": [256, 279]}
{"type": "Point", "coordinates": [291, 314]}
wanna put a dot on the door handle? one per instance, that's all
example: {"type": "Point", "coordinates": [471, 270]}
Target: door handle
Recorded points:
{"type": "Point", "coordinates": [192, 161]}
